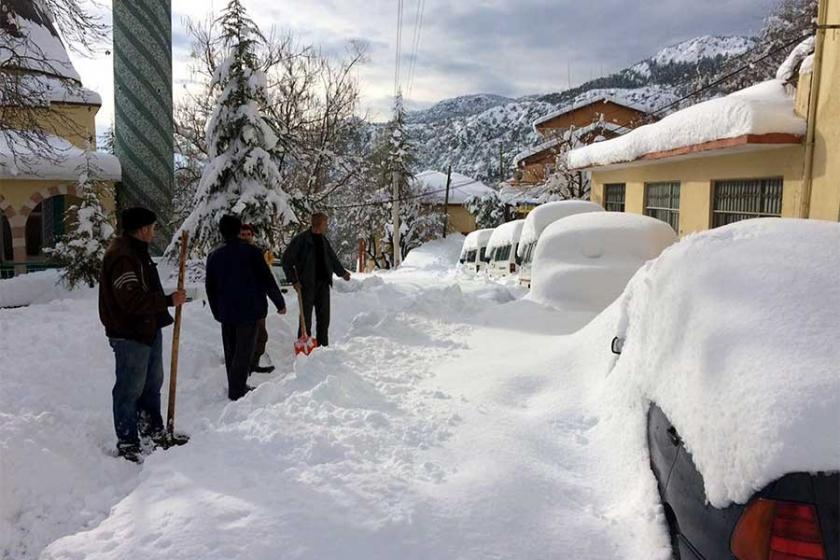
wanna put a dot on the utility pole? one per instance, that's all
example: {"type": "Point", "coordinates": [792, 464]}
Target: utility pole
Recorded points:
{"type": "Point", "coordinates": [395, 219]}
{"type": "Point", "coordinates": [501, 162]}
{"type": "Point", "coordinates": [446, 201]}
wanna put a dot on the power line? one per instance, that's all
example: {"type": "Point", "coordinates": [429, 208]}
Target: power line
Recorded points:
{"type": "Point", "coordinates": [418, 30]}
{"type": "Point", "coordinates": [398, 48]}
{"type": "Point", "coordinates": [392, 200]}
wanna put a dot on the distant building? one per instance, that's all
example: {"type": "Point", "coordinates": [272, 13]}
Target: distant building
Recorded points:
{"type": "Point", "coordinates": [36, 186]}
{"type": "Point", "coordinates": [461, 188]}
{"type": "Point", "coordinates": [733, 158]}
{"type": "Point", "coordinates": [584, 122]}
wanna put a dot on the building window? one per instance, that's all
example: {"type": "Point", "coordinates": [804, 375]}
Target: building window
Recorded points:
{"type": "Point", "coordinates": [736, 200]}
{"type": "Point", "coordinates": [614, 197]}
{"type": "Point", "coordinates": [662, 201]}
{"type": "Point", "coordinates": [6, 252]}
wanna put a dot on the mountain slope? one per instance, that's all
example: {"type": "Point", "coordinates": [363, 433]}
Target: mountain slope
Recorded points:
{"type": "Point", "coordinates": [472, 131]}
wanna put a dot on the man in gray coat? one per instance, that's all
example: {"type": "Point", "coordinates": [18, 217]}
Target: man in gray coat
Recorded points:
{"type": "Point", "coordinates": [309, 263]}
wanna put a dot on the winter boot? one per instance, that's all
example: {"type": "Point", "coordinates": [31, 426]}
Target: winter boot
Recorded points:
{"type": "Point", "coordinates": [130, 452]}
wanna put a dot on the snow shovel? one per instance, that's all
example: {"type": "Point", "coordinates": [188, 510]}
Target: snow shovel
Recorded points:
{"type": "Point", "coordinates": [173, 438]}
{"type": "Point", "coordinates": [305, 344]}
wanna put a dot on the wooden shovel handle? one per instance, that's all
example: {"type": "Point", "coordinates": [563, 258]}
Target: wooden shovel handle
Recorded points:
{"type": "Point", "coordinates": [176, 337]}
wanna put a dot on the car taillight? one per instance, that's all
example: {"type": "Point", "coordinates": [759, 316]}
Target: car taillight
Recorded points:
{"type": "Point", "coordinates": [774, 530]}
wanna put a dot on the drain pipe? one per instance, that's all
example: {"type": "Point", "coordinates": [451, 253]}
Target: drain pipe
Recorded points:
{"type": "Point", "coordinates": [808, 174]}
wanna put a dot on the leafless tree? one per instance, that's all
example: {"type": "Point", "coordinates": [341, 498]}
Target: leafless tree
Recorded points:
{"type": "Point", "coordinates": [31, 76]}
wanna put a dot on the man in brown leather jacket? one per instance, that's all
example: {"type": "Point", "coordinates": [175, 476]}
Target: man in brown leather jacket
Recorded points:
{"type": "Point", "coordinates": [133, 309]}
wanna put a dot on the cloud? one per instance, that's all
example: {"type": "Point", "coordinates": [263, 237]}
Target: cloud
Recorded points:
{"type": "Point", "coordinates": [506, 47]}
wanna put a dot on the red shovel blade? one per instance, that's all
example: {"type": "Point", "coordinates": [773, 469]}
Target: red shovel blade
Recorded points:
{"type": "Point", "coordinates": [305, 345]}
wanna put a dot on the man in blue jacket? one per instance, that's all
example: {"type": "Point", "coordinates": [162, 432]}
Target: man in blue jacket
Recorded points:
{"type": "Point", "coordinates": [309, 263]}
{"type": "Point", "coordinates": [237, 282]}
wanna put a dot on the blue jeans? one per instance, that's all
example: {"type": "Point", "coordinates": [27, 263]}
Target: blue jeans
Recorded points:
{"type": "Point", "coordinates": [136, 392]}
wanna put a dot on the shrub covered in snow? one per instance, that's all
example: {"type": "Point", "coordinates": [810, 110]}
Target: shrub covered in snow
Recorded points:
{"type": "Point", "coordinates": [487, 209]}
{"type": "Point", "coordinates": [585, 261]}
{"type": "Point", "coordinates": [80, 252]}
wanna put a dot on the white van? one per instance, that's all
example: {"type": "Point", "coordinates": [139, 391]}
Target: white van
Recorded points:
{"type": "Point", "coordinates": [501, 249]}
{"type": "Point", "coordinates": [540, 218]}
{"type": "Point", "coordinates": [474, 252]}
{"type": "Point", "coordinates": [585, 261]}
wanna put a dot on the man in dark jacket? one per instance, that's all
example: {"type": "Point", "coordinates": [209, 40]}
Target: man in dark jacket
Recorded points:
{"type": "Point", "coordinates": [309, 263]}
{"type": "Point", "coordinates": [133, 309]}
{"type": "Point", "coordinates": [237, 282]}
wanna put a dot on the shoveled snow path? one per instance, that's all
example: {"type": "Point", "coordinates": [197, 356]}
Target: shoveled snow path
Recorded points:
{"type": "Point", "coordinates": [441, 423]}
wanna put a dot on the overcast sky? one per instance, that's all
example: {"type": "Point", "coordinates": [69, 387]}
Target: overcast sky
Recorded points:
{"type": "Point", "coordinates": [506, 47]}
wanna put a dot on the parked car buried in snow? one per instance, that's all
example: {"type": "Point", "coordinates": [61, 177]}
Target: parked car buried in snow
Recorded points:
{"type": "Point", "coordinates": [732, 336]}
{"type": "Point", "coordinates": [474, 252]}
{"type": "Point", "coordinates": [584, 261]}
{"type": "Point", "coordinates": [501, 248]}
{"type": "Point", "coordinates": [537, 220]}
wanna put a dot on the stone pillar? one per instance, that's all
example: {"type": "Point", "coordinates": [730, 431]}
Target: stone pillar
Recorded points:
{"type": "Point", "coordinates": [143, 124]}
{"type": "Point", "coordinates": [17, 223]}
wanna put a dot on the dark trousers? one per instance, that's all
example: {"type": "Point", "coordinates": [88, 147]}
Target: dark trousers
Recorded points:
{"type": "Point", "coordinates": [239, 342]}
{"type": "Point", "coordinates": [262, 340]}
{"type": "Point", "coordinates": [317, 297]}
{"type": "Point", "coordinates": [139, 373]}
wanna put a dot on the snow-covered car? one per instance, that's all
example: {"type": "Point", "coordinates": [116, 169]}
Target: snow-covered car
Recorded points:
{"type": "Point", "coordinates": [537, 220]}
{"type": "Point", "coordinates": [584, 261]}
{"type": "Point", "coordinates": [502, 247]}
{"type": "Point", "coordinates": [474, 252]}
{"type": "Point", "coordinates": [743, 376]}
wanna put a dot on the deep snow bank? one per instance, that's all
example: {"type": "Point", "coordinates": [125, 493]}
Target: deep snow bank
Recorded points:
{"type": "Point", "coordinates": [733, 333]}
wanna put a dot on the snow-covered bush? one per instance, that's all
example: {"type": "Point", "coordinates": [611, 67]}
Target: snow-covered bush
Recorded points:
{"type": "Point", "coordinates": [488, 210]}
{"type": "Point", "coordinates": [80, 251]}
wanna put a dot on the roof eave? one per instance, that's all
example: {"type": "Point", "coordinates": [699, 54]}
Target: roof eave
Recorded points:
{"type": "Point", "coordinates": [769, 140]}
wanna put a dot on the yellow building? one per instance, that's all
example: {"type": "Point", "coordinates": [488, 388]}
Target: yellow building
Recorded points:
{"type": "Point", "coordinates": [42, 157]}
{"type": "Point", "coordinates": [738, 157]}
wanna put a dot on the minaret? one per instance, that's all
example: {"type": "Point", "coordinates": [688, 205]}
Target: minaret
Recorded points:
{"type": "Point", "coordinates": [143, 123]}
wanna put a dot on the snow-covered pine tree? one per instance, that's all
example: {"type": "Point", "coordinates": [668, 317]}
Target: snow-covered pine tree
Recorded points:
{"type": "Point", "coordinates": [80, 252]}
{"type": "Point", "coordinates": [417, 218]}
{"type": "Point", "coordinates": [240, 176]}
{"type": "Point", "coordinates": [488, 210]}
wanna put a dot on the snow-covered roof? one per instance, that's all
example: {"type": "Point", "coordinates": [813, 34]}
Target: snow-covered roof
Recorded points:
{"type": "Point", "coordinates": [65, 161]}
{"type": "Point", "coordinates": [38, 90]}
{"type": "Point", "coordinates": [763, 109]}
{"type": "Point", "coordinates": [29, 39]}
{"type": "Point", "coordinates": [506, 234]}
{"type": "Point", "coordinates": [477, 238]}
{"type": "Point", "coordinates": [578, 132]}
{"type": "Point", "coordinates": [460, 189]}
{"type": "Point", "coordinates": [736, 326]}
{"type": "Point", "coordinates": [615, 99]}
{"type": "Point", "coordinates": [524, 194]}
{"type": "Point", "coordinates": [545, 214]}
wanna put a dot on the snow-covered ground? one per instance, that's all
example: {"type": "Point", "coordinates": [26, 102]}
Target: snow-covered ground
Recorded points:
{"type": "Point", "coordinates": [451, 418]}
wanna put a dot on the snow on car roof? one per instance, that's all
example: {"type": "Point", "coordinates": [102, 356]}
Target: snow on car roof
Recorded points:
{"type": "Point", "coordinates": [460, 189]}
{"type": "Point", "coordinates": [744, 366]}
{"type": "Point", "coordinates": [764, 108]}
{"type": "Point", "coordinates": [506, 234]}
{"type": "Point", "coordinates": [540, 217]}
{"type": "Point", "coordinates": [477, 239]}
{"type": "Point", "coordinates": [584, 261]}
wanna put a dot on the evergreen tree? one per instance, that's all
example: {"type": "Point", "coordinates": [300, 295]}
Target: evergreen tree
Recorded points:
{"type": "Point", "coordinates": [488, 210]}
{"type": "Point", "coordinates": [80, 252]}
{"type": "Point", "coordinates": [240, 176]}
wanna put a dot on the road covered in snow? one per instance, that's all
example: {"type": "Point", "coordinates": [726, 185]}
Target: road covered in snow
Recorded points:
{"type": "Point", "coordinates": [451, 418]}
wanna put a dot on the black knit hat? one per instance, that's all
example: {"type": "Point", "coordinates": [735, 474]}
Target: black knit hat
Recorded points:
{"type": "Point", "coordinates": [137, 217]}
{"type": "Point", "coordinates": [229, 226]}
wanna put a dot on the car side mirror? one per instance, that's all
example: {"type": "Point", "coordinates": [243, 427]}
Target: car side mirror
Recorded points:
{"type": "Point", "coordinates": [617, 345]}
